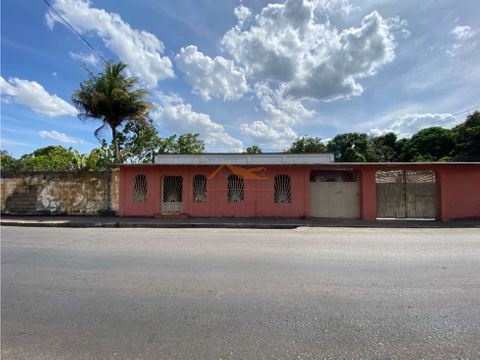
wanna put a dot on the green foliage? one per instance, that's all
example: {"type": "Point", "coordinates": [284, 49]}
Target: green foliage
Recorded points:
{"type": "Point", "coordinates": [386, 147]}
{"type": "Point", "coordinates": [467, 139]}
{"type": "Point", "coordinates": [307, 144]}
{"type": "Point", "coordinates": [352, 147]}
{"type": "Point", "coordinates": [112, 98]}
{"type": "Point", "coordinates": [138, 142]}
{"type": "Point", "coordinates": [430, 144]}
{"type": "Point", "coordinates": [49, 158]}
{"type": "Point", "coordinates": [185, 144]}
{"type": "Point", "coordinates": [254, 149]}
{"type": "Point", "coordinates": [7, 162]}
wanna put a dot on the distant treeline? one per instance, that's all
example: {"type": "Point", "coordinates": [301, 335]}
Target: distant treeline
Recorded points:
{"type": "Point", "coordinates": [138, 142]}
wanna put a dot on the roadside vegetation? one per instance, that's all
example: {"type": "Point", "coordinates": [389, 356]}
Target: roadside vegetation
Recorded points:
{"type": "Point", "coordinates": [115, 100]}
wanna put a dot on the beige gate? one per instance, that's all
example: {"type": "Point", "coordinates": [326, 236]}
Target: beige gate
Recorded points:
{"type": "Point", "coordinates": [406, 194]}
{"type": "Point", "coordinates": [334, 194]}
{"type": "Point", "coordinates": [172, 189]}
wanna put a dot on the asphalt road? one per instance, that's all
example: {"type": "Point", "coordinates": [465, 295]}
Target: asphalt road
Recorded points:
{"type": "Point", "coordinates": [240, 294]}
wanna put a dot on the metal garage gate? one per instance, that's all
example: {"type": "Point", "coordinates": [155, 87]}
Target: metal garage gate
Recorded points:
{"type": "Point", "coordinates": [334, 194]}
{"type": "Point", "coordinates": [406, 194]}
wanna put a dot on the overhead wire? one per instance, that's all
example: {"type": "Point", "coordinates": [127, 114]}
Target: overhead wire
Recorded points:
{"type": "Point", "coordinates": [72, 28]}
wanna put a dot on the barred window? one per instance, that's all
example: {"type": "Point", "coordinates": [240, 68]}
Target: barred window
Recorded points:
{"type": "Point", "coordinates": [199, 189]}
{"type": "Point", "coordinates": [282, 193]}
{"type": "Point", "coordinates": [140, 188]}
{"type": "Point", "coordinates": [235, 193]}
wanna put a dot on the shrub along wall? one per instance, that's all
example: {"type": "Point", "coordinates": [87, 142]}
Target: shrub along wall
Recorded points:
{"type": "Point", "coordinates": [60, 193]}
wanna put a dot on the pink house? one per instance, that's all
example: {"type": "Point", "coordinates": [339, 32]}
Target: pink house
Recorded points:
{"type": "Point", "coordinates": [297, 186]}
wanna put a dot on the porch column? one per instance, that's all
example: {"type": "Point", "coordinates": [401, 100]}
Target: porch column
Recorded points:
{"type": "Point", "coordinates": [368, 194]}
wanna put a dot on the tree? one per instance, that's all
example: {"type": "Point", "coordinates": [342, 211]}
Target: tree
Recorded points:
{"type": "Point", "coordinates": [466, 137]}
{"type": "Point", "coordinates": [386, 147]}
{"type": "Point", "coordinates": [49, 158]}
{"type": "Point", "coordinates": [8, 162]}
{"type": "Point", "coordinates": [307, 144]}
{"type": "Point", "coordinates": [430, 144]}
{"type": "Point", "coordinates": [352, 147]}
{"type": "Point", "coordinates": [111, 97]}
{"type": "Point", "coordinates": [138, 141]}
{"type": "Point", "coordinates": [254, 149]}
{"type": "Point", "coordinates": [189, 144]}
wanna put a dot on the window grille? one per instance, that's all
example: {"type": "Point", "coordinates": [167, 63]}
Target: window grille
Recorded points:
{"type": "Point", "coordinates": [140, 188]}
{"type": "Point", "coordinates": [343, 175]}
{"type": "Point", "coordinates": [199, 189]}
{"type": "Point", "coordinates": [405, 176]}
{"type": "Point", "coordinates": [282, 189]}
{"type": "Point", "coordinates": [172, 189]}
{"type": "Point", "coordinates": [235, 193]}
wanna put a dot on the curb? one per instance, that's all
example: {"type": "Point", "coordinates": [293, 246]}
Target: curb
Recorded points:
{"type": "Point", "coordinates": [238, 225]}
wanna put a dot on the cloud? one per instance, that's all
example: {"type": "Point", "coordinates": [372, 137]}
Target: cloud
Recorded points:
{"type": "Point", "coordinates": [34, 96]}
{"type": "Point", "coordinates": [462, 33]}
{"type": "Point", "coordinates": [264, 134]}
{"type": "Point", "coordinates": [306, 57]}
{"type": "Point", "coordinates": [281, 114]}
{"type": "Point", "coordinates": [89, 59]}
{"type": "Point", "coordinates": [217, 77]}
{"type": "Point", "coordinates": [141, 50]}
{"type": "Point", "coordinates": [409, 124]}
{"type": "Point", "coordinates": [174, 115]}
{"type": "Point", "coordinates": [55, 135]}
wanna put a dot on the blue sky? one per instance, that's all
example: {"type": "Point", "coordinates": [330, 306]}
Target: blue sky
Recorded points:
{"type": "Point", "coordinates": [243, 73]}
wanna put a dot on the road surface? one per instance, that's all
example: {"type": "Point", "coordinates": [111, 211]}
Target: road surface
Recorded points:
{"type": "Point", "coordinates": [308, 293]}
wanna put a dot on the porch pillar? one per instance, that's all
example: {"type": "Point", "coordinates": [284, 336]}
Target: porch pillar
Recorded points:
{"type": "Point", "coordinates": [368, 194]}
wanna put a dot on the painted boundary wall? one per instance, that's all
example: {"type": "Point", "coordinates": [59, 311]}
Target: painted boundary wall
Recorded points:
{"type": "Point", "coordinates": [60, 193]}
{"type": "Point", "coordinates": [458, 190]}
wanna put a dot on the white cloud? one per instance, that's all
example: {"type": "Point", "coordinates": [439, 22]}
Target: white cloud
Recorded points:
{"type": "Point", "coordinates": [55, 135]}
{"type": "Point", "coordinates": [408, 124]}
{"type": "Point", "coordinates": [174, 115]}
{"type": "Point", "coordinates": [242, 13]}
{"type": "Point", "coordinates": [288, 44]}
{"type": "Point", "coordinates": [141, 50]}
{"type": "Point", "coordinates": [264, 134]}
{"type": "Point", "coordinates": [217, 77]}
{"type": "Point", "coordinates": [89, 59]}
{"type": "Point", "coordinates": [462, 33]}
{"type": "Point", "coordinates": [34, 96]}
{"type": "Point", "coordinates": [281, 114]}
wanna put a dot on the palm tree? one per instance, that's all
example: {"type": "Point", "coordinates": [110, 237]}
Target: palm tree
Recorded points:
{"type": "Point", "coordinates": [111, 97]}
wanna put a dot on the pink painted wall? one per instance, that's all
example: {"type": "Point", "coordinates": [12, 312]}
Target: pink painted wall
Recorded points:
{"type": "Point", "coordinates": [458, 191]}
{"type": "Point", "coordinates": [258, 193]}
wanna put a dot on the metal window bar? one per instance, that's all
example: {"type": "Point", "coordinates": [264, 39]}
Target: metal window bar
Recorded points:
{"type": "Point", "coordinates": [405, 176]}
{"type": "Point", "coordinates": [199, 193]}
{"type": "Point", "coordinates": [235, 189]}
{"type": "Point", "coordinates": [282, 193]}
{"type": "Point", "coordinates": [343, 175]}
{"type": "Point", "coordinates": [172, 189]}
{"type": "Point", "coordinates": [139, 192]}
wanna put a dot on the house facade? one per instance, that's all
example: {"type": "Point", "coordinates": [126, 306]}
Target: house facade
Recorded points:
{"type": "Point", "coordinates": [297, 186]}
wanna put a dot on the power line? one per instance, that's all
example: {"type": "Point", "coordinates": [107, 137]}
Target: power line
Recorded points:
{"type": "Point", "coordinates": [74, 30]}
{"type": "Point", "coordinates": [429, 123]}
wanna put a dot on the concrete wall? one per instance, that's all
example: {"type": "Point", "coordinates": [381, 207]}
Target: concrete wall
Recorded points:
{"type": "Point", "coordinates": [258, 200]}
{"type": "Point", "coordinates": [458, 190]}
{"type": "Point", "coordinates": [65, 193]}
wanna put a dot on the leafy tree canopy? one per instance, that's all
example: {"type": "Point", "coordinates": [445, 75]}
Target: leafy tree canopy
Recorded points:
{"type": "Point", "coordinates": [307, 144]}
{"type": "Point", "coordinates": [352, 147]}
{"type": "Point", "coordinates": [466, 137]}
{"type": "Point", "coordinates": [113, 98]}
{"type": "Point", "coordinates": [254, 149]}
{"type": "Point", "coordinates": [430, 144]}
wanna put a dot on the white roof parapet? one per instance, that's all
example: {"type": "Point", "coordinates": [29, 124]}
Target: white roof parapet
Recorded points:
{"type": "Point", "coordinates": [244, 159]}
